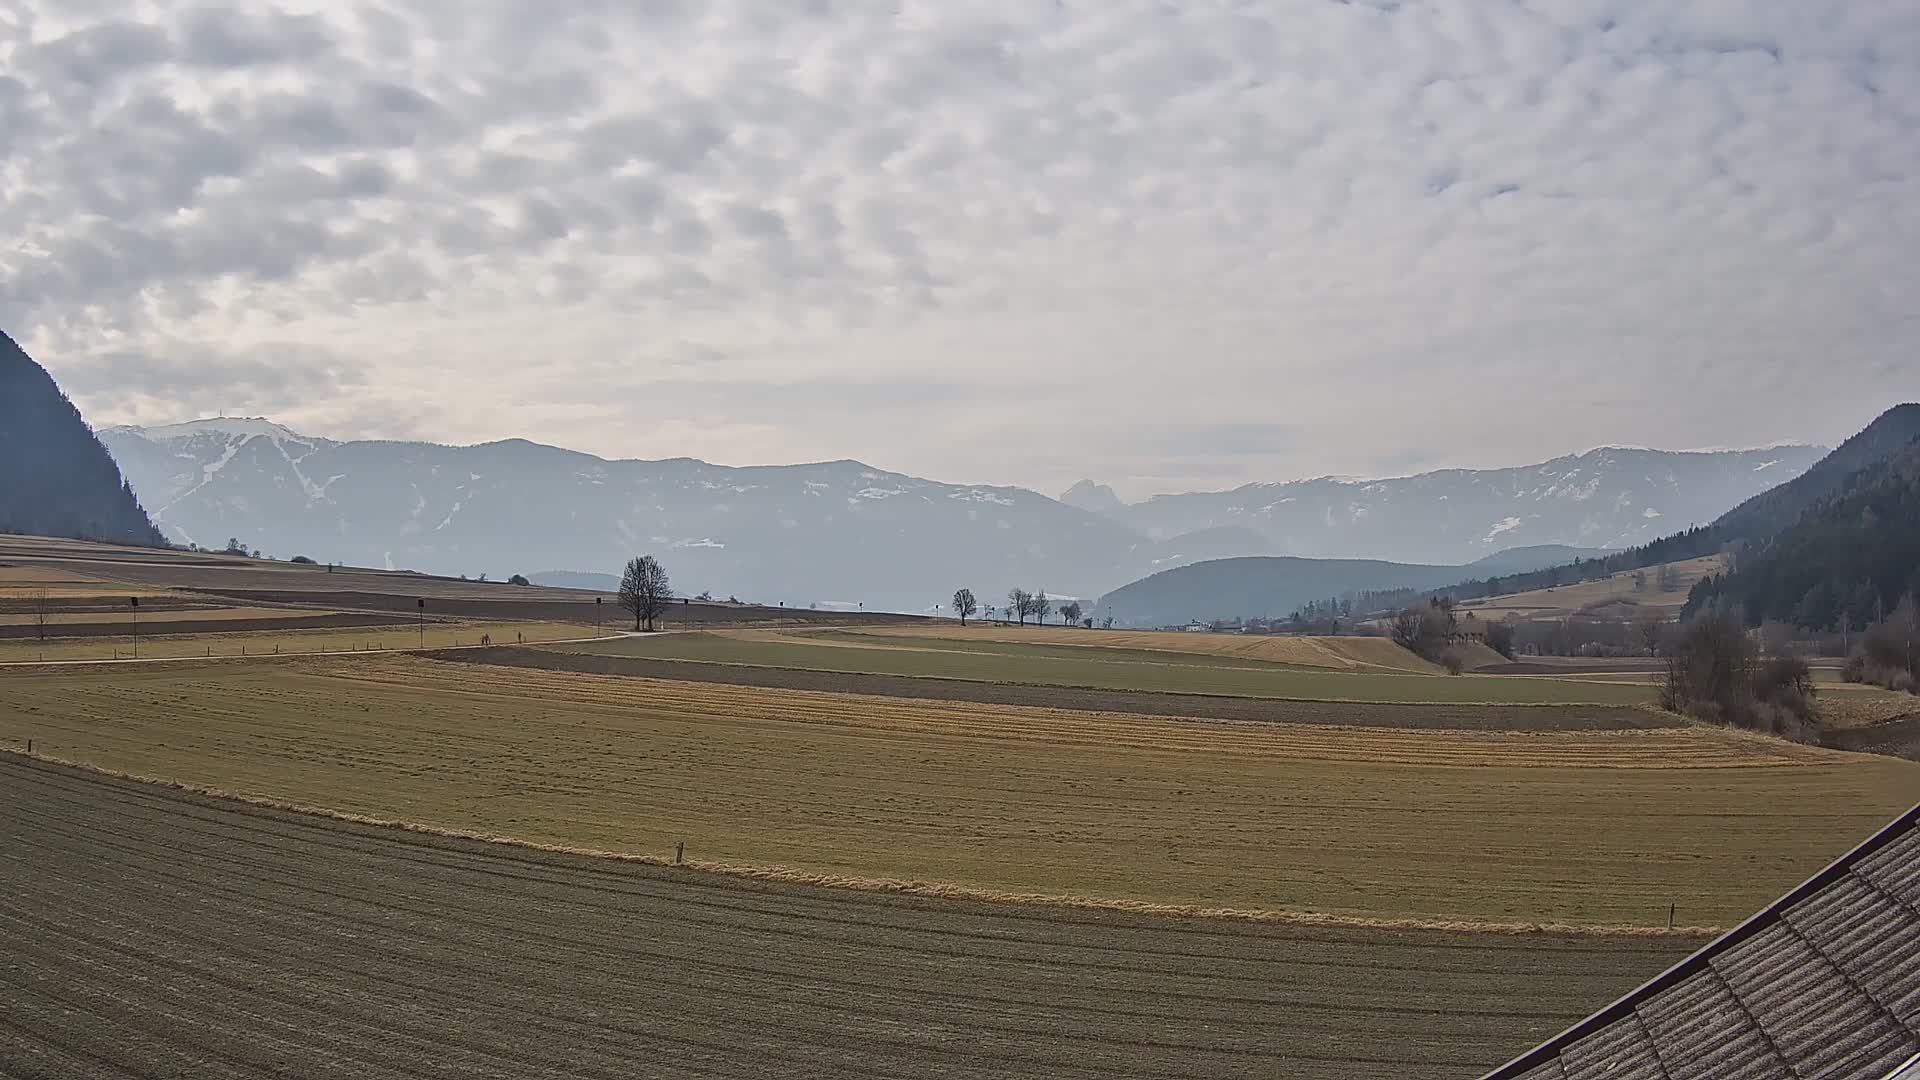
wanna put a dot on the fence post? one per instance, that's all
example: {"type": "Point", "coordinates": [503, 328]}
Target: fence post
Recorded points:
{"type": "Point", "coordinates": [1670, 908]}
{"type": "Point", "coordinates": [679, 852]}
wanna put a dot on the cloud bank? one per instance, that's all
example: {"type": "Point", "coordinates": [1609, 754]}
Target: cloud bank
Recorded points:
{"type": "Point", "coordinates": [1163, 245]}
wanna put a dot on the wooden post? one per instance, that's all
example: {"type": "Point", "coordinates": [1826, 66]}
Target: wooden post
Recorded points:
{"type": "Point", "coordinates": [679, 852]}
{"type": "Point", "coordinates": [1670, 908]}
{"type": "Point", "coordinates": [29, 747]}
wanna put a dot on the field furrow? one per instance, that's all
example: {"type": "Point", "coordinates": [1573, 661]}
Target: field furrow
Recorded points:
{"type": "Point", "coordinates": [157, 933]}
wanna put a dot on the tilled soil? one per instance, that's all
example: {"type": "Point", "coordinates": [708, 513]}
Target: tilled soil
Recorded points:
{"type": "Point", "coordinates": [1137, 702]}
{"type": "Point", "coordinates": [152, 933]}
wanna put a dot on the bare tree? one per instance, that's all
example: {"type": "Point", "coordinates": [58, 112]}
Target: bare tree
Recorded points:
{"type": "Point", "coordinates": [1070, 612]}
{"type": "Point", "coordinates": [1650, 630]}
{"type": "Point", "coordinates": [1668, 578]}
{"type": "Point", "coordinates": [1020, 604]}
{"type": "Point", "coordinates": [644, 590]}
{"type": "Point", "coordinates": [1408, 626]}
{"type": "Point", "coordinates": [40, 602]}
{"type": "Point", "coordinates": [964, 605]}
{"type": "Point", "coordinates": [1042, 607]}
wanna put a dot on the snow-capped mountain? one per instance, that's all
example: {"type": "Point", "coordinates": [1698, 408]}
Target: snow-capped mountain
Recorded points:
{"type": "Point", "coordinates": [845, 532]}
{"type": "Point", "coordinates": [829, 533]}
{"type": "Point", "coordinates": [1607, 498]}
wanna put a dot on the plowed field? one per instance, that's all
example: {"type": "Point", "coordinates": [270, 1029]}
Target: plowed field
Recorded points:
{"type": "Point", "coordinates": [152, 933]}
{"type": "Point", "coordinates": [1483, 827]}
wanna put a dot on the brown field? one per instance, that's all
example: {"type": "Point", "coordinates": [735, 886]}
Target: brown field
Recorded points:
{"type": "Point", "coordinates": [1614, 593]}
{"type": "Point", "coordinates": [334, 633]}
{"type": "Point", "coordinates": [1430, 717]}
{"type": "Point", "coordinates": [154, 932]}
{"type": "Point", "coordinates": [103, 570]}
{"type": "Point", "coordinates": [1587, 828]}
{"type": "Point", "coordinates": [1333, 653]}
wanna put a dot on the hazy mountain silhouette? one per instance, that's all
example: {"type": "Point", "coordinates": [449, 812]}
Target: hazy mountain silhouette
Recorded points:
{"type": "Point", "coordinates": [56, 479]}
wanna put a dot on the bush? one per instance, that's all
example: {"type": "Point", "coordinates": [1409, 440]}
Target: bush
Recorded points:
{"type": "Point", "coordinates": [519, 579]}
{"type": "Point", "coordinates": [1714, 676]}
{"type": "Point", "coordinates": [1500, 638]}
{"type": "Point", "coordinates": [1450, 659]}
{"type": "Point", "coordinates": [303, 560]}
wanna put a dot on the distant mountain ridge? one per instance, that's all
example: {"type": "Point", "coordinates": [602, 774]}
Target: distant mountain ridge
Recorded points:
{"type": "Point", "coordinates": [826, 532]}
{"type": "Point", "coordinates": [1606, 498]}
{"type": "Point", "coordinates": [56, 479]}
{"type": "Point", "coordinates": [1849, 548]}
{"type": "Point", "coordinates": [1273, 586]}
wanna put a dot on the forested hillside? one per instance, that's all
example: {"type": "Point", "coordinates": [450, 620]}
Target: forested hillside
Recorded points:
{"type": "Point", "coordinates": [1846, 561]}
{"type": "Point", "coordinates": [1750, 527]}
{"type": "Point", "coordinates": [55, 477]}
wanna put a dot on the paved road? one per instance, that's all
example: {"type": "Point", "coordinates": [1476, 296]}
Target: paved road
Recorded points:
{"type": "Point", "coordinates": [150, 933]}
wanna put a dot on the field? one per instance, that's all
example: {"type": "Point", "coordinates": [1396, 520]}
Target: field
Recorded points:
{"type": "Point", "coordinates": [983, 658]}
{"type": "Point", "coordinates": [1614, 596]}
{"type": "Point", "coordinates": [385, 635]}
{"type": "Point", "coordinates": [912, 848]}
{"type": "Point", "coordinates": [1588, 828]}
{"type": "Point", "coordinates": [155, 932]}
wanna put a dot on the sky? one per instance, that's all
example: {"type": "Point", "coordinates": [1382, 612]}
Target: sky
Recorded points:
{"type": "Point", "coordinates": [1163, 245]}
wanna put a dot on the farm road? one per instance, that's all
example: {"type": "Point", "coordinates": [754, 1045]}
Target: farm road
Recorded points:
{"type": "Point", "coordinates": [152, 933]}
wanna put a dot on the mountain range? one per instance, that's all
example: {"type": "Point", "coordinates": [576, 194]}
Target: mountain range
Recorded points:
{"type": "Point", "coordinates": [55, 477]}
{"type": "Point", "coordinates": [1607, 498]}
{"type": "Point", "coordinates": [847, 533]}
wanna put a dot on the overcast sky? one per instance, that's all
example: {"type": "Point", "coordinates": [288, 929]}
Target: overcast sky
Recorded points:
{"type": "Point", "coordinates": [1162, 244]}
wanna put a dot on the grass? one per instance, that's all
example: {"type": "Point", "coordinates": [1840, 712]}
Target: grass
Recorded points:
{"type": "Point", "coordinates": [1614, 589]}
{"type": "Point", "coordinates": [57, 619]}
{"type": "Point", "coordinates": [257, 642]}
{"type": "Point", "coordinates": [1104, 668]}
{"type": "Point", "coordinates": [1332, 653]}
{"type": "Point", "coordinates": [1579, 828]}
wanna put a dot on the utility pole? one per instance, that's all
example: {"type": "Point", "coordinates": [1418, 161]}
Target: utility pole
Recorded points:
{"type": "Point", "coordinates": [422, 603]}
{"type": "Point", "coordinates": [597, 601]}
{"type": "Point", "coordinates": [133, 605]}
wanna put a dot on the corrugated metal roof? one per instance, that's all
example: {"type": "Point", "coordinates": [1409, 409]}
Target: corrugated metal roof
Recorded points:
{"type": "Point", "coordinates": [1824, 983]}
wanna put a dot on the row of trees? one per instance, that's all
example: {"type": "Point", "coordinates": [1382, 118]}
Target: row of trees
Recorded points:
{"type": "Point", "coordinates": [1021, 605]}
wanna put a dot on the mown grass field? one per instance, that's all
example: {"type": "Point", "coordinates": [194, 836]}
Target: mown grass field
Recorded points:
{"type": "Point", "coordinates": [1331, 653]}
{"type": "Point", "coordinates": [1480, 827]}
{"type": "Point", "coordinates": [1105, 667]}
{"type": "Point", "coordinates": [258, 642]}
{"type": "Point", "coordinates": [1614, 589]}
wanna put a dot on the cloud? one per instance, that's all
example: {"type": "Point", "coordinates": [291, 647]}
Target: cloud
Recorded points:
{"type": "Point", "coordinates": [1161, 244]}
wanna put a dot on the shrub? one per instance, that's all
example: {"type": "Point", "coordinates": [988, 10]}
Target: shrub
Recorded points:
{"type": "Point", "coordinates": [1450, 659]}
{"type": "Point", "coordinates": [519, 579]}
{"type": "Point", "coordinates": [303, 560]}
{"type": "Point", "coordinates": [1714, 676]}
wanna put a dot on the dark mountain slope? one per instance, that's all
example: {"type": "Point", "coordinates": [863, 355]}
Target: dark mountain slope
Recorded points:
{"type": "Point", "coordinates": [55, 477]}
{"type": "Point", "coordinates": [1848, 558]}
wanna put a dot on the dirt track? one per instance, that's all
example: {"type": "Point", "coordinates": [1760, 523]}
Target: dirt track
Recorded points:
{"type": "Point", "coordinates": [153, 933]}
{"type": "Point", "coordinates": [1139, 703]}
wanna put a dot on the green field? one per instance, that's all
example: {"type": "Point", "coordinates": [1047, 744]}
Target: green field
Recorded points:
{"type": "Point", "coordinates": [1104, 668]}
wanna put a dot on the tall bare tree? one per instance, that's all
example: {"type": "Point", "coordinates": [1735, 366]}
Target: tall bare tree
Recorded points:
{"type": "Point", "coordinates": [964, 605]}
{"type": "Point", "coordinates": [1020, 604]}
{"type": "Point", "coordinates": [40, 602]}
{"type": "Point", "coordinates": [1070, 612]}
{"type": "Point", "coordinates": [644, 590]}
{"type": "Point", "coordinates": [1042, 607]}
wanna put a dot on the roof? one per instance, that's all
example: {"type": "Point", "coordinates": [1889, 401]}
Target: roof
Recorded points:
{"type": "Point", "coordinates": [1823, 983]}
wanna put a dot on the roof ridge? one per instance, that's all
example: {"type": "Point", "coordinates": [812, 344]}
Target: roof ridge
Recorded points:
{"type": "Point", "coordinates": [1833, 873]}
